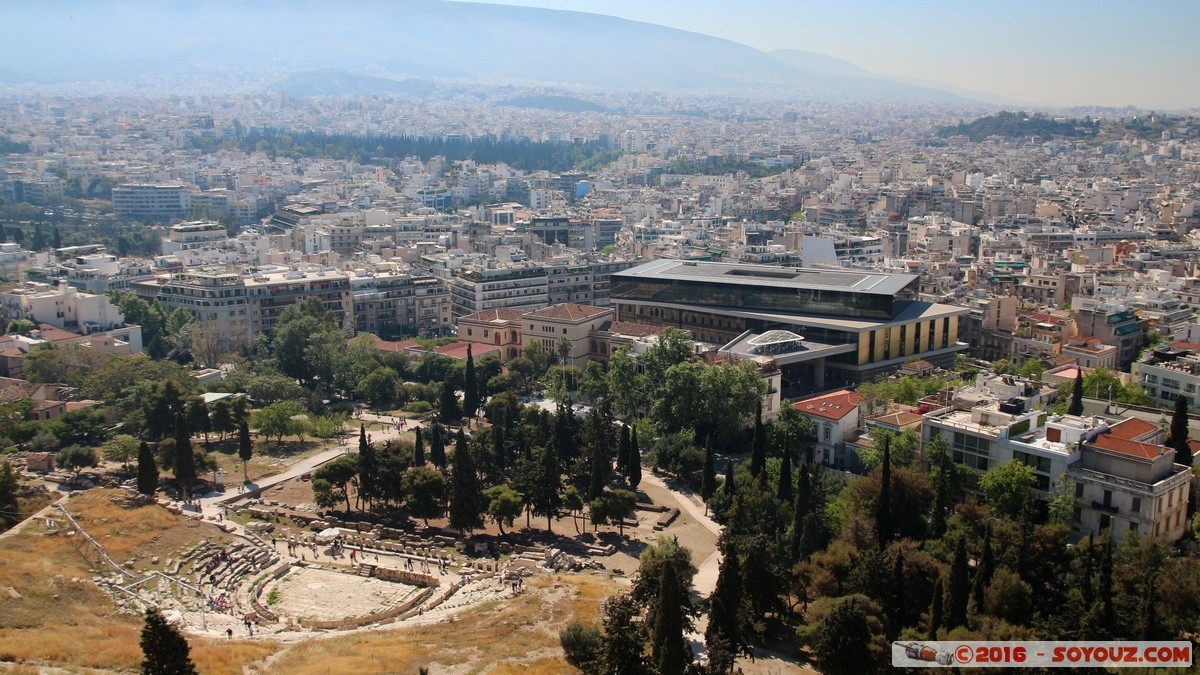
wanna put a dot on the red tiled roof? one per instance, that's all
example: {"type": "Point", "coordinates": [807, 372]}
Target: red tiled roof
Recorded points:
{"type": "Point", "coordinates": [632, 329]}
{"type": "Point", "coordinates": [833, 406]}
{"type": "Point", "coordinates": [458, 350]}
{"type": "Point", "coordinates": [54, 334]}
{"type": "Point", "coordinates": [386, 346]}
{"type": "Point", "coordinates": [1126, 447]}
{"type": "Point", "coordinates": [1131, 429]}
{"type": "Point", "coordinates": [1181, 344]}
{"type": "Point", "coordinates": [498, 314]}
{"type": "Point", "coordinates": [568, 311]}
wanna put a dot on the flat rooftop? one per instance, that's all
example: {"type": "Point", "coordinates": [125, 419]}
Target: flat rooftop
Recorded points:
{"type": "Point", "coordinates": [874, 283]}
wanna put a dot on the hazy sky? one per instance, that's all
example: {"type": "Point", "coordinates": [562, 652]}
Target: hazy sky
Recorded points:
{"type": "Point", "coordinates": [1050, 52]}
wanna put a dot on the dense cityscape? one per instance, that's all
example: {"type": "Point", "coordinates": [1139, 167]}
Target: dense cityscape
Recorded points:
{"type": "Point", "coordinates": [489, 377]}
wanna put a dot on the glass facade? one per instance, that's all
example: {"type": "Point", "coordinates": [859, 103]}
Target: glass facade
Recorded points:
{"type": "Point", "coordinates": [820, 301]}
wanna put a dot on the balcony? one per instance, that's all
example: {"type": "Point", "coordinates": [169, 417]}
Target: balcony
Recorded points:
{"type": "Point", "coordinates": [1107, 508]}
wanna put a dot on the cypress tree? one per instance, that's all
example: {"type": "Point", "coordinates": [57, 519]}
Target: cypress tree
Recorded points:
{"type": "Point", "coordinates": [724, 621]}
{"type": "Point", "coordinates": [599, 465]}
{"type": "Point", "coordinates": [623, 450]}
{"type": "Point", "coordinates": [147, 470]}
{"type": "Point", "coordinates": [164, 649]}
{"type": "Point", "coordinates": [898, 608]}
{"type": "Point", "coordinates": [1178, 440]}
{"type": "Point", "coordinates": [466, 505]}
{"type": "Point", "coordinates": [883, 508]}
{"type": "Point", "coordinates": [634, 474]}
{"type": "Point", "coordinates": [56, 237]}
{"type": "Point", "coordinates": [419, 448]}
{"type": "Point", "coordinates": [437, 447]}
{"type": "Point", "coordinates": [983, 570]}
{"type": "Point", "coordinates": [960, 586]}
{"type": "Point", "coordinates": [813, 535]}
{"type": "Point", "coordinates": [368, 469]}
{"type": "Point", "coordinates": [784, 493]}
{"type": "Point", "coordinates": [470, 387]}
{"type": "Point", "coordinates": [758, 452]}
{"type": "Point", "coordinates": [668, 650]}
{"type": "Point", "coordinates": [935, 609]}
{"type": "Point", "coordinates": [708, 479]}
{"type": "Point", "coordinates": [1106, 587]}
{"type": "Point", "coordinates": [185, 461]}
{"type": "Point", "coordinates": [449, 411]}
{"type": "Point", "coordinates": [499, 449]}
{"type": "Point", "coordinates": [245, 447]}
{"type": "Point", "coordinates": [730, 486]}
{"type": "Point", "coordinates": [1076, 406]}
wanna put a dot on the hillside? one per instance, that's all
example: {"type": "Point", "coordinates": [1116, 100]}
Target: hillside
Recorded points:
{"type": "Point", "coordinates": [1019, 124]}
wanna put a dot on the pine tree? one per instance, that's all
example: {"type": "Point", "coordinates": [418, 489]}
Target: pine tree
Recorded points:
{"type": "Point", "coordinates": [935, 609]}
{"type": "Point", "coordinates": [470, 387]}
{"type": "Point", "coordinates": [437, 447]}
{"type": "Point", "coordinates": [466, 505]}
{"type": "Point", "coordinates": [185, 460]}
{"type": "Point", "coordinates": [730, 485]}
{"type": "Point", "coordinates": [724, 621]}
{"type": "Point", "coordinates": [245, 448]}
{"type": "Point", "coordinates": [758, 452]}
{"type": "Point", "coordinates": [669, 653]}
{"type": "Point", "coordinates": [164, 648]}
{"type": "Point", "coordinates": [147, 470]}
{"type": "Point", "coordinates": [960, 586]}
{"type": "Point", "coordinates": [634, 474]}
{"type": "Point", "coordinates": [708, 479]}
{"type": "Point", "coordinates": [843, 645]}
{"type": "Point", "coordinates": [1178, 439]}
{"type": "Point", "coordinates": [883, 508]}
{"type": "Point", "coordinates": [784, 492]}
{"type": "Point", "coordinates": [419, 448]}
{"type": "Point", "coordinates": [1076, 406]}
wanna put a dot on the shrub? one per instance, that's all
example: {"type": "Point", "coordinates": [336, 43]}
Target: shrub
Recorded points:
{"type": "Point", "coordinates": [417, 407]}
{"type": "Point", "coordinates": [580, 643]}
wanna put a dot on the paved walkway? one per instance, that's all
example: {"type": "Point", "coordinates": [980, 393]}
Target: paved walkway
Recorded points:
{"type": "Point", "coordinates": [705, 581]}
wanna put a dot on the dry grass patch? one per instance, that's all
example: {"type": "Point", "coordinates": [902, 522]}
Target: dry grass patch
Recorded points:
{"type": "Point", "coordinates": [226, 656]}
{"type": "Point", "coordinates": [62, 619]}
{"type": "Point", "coordinates": [513, 635]}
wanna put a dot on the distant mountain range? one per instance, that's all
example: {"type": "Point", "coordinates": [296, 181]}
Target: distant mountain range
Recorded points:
{"type": "Point", "coordinates": [323, 48]}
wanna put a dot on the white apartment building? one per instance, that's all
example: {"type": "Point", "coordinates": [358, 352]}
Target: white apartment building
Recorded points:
{"type": "Point", "coordinates": [474, 288]}
{"type": "Point", "coordinates": [151, 201]}
{"type": "Point", "coordinates": [13, 262]}
{"type": "Point", "coordinates": [1166, 372]}
{"type": "Point", "coordinates": [1127, 482]}
{"type": "Point", "coordinates": [64, 307]}
{"type": "Point", "coordinates": [194, 235]}
{"type": "Point", "coordinates": [383, 300]}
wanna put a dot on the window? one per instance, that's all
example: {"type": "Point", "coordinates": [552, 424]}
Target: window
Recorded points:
{"type": "Point", "coordinates": [1108, 497]}
{"type": "Point", "coordinates": [1137, 505]}
{"type": "Point", "coordinates": [828, 432]}
{"type": "Point", "coordinates": [1079, 490]}
{"type": "Point", "coordinates": [1105, 521]}
{"type": "Point", "coordinates": [1133, 528]}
